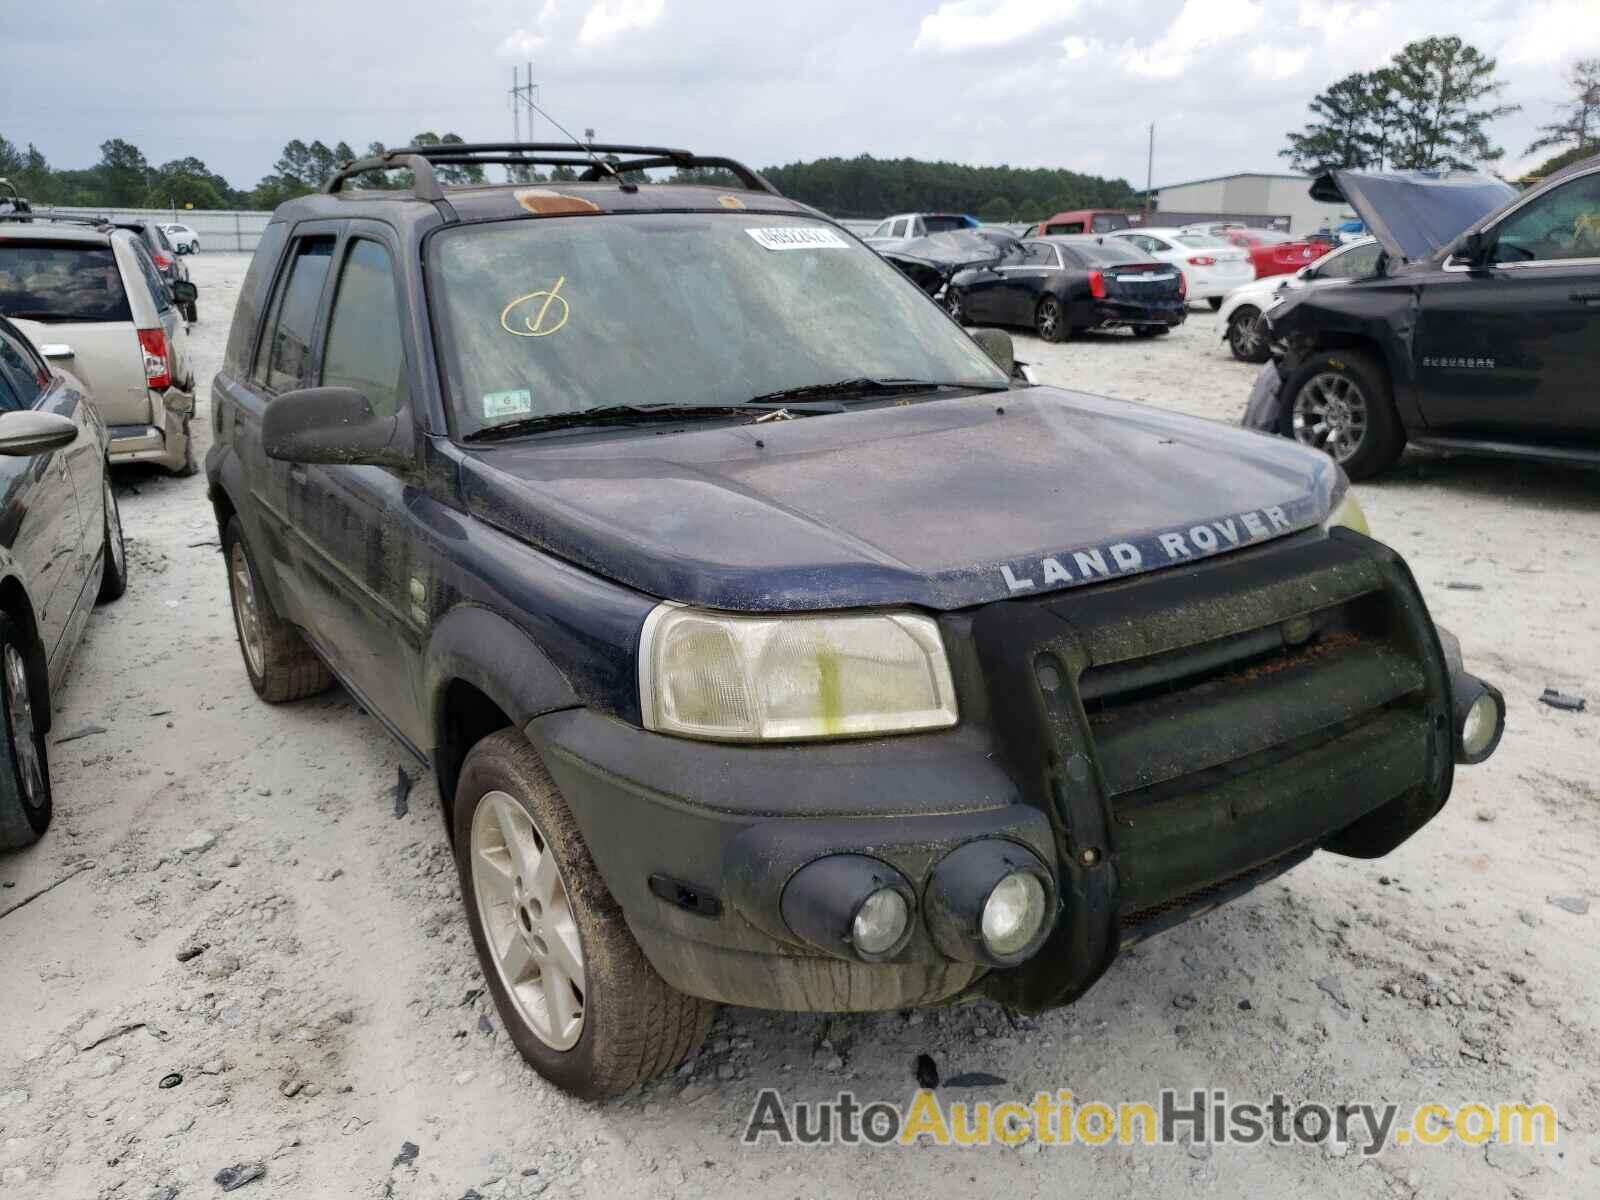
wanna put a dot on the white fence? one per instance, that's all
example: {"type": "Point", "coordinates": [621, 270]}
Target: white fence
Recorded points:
{"type": "Point", "coordinates": [218, 229]}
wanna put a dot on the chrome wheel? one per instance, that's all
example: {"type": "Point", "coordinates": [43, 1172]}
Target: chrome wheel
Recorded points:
{"type": "Point", "coordinates": [1245, 334]}
{"type": "Point", "coordinates": [19, 717]}
{"type": "Point", "coordinates": [528, 922]}
{"type": "Point", "coordinates": [115, 548]}
{"type": "Point", "coordinates": [1330, 413]}
{"type": "Point", "coordinates": [1048, 321]}
{"type": "Point", "coordinates": [245, 612]}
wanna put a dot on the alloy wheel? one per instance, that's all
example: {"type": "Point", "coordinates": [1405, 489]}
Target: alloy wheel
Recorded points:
{"type": "Point", "coordinates": [1049, 318]}
{"type": "Point", "coordinates": [1245, 335]}
{"type": "Point", "coordinates": [1330, 413]}
{"type": "Point", "coordinates": [19, 719]}
{"type": "Point", "coordinates": [952, 303]}
{"type": "Point", "coordinates": [528, 921]}
{"type": "Point", "coordinates": [245, 611]}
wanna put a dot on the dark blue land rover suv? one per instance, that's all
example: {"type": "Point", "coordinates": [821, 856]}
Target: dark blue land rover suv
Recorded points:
{"type": "Point", "coordinates": [770, 641]}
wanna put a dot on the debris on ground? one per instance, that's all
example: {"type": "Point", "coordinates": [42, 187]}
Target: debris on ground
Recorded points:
{"type": "Point", "coordinates": [1564, 702]}
{"type": "Point", "coordinates": [408, 1154]}
{"type": "Point", "coordinates": [402, 790]}
{"type": "Point", "coordinates": [975, 1079]}
{"type": "Point", "coordinates": [240, 1174]}
{"type": "Point", "coordinates": [927, 1071]}
{"type": "Point", "coordinates": [1577, 905]}
{"type": "Point", "coordinates": [86, 731]}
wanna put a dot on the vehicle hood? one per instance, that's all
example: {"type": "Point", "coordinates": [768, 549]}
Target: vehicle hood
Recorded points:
{"type": "Point", "coordinates": [931, 261]}
{"type": "Point", "coordinates": [1415, 214]}
{"type": "Point", "coordinates": [941, 504]}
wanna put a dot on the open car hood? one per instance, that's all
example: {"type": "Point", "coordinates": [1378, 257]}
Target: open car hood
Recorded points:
{"type": "Point", "coordinates": [931, 261]}
{"type": "Point", "coordinates": [1415, 214]}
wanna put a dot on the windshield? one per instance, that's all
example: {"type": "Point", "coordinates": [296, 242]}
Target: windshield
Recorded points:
{"type": "Point", "coordinates": [565, 315]}
{"type": "Point", "coordinates": [942, 224]}
{"type": "Point", "coordinates": [44, 281]}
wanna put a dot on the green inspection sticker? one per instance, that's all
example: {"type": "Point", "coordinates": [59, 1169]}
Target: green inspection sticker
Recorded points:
{"type": "Point", "coordinates": [514, 403]}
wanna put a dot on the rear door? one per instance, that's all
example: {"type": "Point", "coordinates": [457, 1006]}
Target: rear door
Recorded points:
{"type": "Point", "coordinates": [1513, 350]}
{"type": "Point", "coordinates": [40, 519]}
{"type": "Point", "coordinates": [284, 359]}
{"type": "Point", "coordinates": [1023, 281]}
{"type": "Point", "coordinates": [363, 599]}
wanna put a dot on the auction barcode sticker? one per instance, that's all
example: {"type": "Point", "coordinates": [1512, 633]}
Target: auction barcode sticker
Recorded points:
{"type": "Point", "coordinates": [797, 237]}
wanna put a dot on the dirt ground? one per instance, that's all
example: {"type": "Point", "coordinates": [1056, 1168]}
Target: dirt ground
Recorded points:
{"type": "Point", "coordinates": [237, 903]}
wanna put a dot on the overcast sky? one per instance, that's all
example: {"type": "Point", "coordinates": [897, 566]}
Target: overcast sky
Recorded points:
{"type": "Point", "coordinates": [1029, 82]}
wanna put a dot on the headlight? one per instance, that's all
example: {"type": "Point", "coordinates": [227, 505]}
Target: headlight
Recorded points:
{"type": "Point", "coordinates": [737, 678]}
{"type": "Point", "coordinates": [1347, 512]}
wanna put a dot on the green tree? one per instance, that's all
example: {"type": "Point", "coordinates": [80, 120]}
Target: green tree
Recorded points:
{"type": "Point", "coordinates": [1578, 127]}
{"type": "Point", "coordinates": [123, 174]}
{"type": "Point", "coordinates": [1444, 97]}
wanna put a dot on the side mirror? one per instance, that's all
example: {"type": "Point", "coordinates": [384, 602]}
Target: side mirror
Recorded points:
{"type": "Point", "coordinates": [184, 292]}
{"type": "Point", "coordinates": [1476, 249]}
{"type": "Point", "coordinates": [55, 350]}
{"type": "Point", "coordinates": [996, 343]}
{"type": "Point", "coordinates": [1306, 273]}
{"type": "Point", "coordinates": [25, 432]}
{"type": "Point", "coordinates": [335, 425]}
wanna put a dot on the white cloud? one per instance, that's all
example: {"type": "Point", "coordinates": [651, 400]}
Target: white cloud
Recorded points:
{"type": "Point", "coordinates": [611, 19]}
{"type": "Point", "coordinates": [1200, 25]}
{"type": "Point", "coordinates": [522, 43]}
{"type": "Point", "coordinates": [1076, 47]}
{"type": "Point", "coordinates": [981, 24]}
{"type": "Point", "coordinates": [1278, 62]}
{"type": "Point", "coordinates": [1554, 35]}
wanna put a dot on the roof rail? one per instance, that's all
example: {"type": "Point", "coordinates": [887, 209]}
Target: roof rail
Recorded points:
{"type": "Point", "coordinates": [63, 218]}
{"type": "Point", "coordinates": [420, 160]}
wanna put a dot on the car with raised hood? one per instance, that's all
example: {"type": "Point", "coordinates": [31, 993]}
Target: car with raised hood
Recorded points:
{"type": "Point", "coordinates": [61, 550]}
{"type": "Point", "coordinates": [769, 642]}
{"type": "Point", "coordinates": [1240, 314]}
{"type": "Point", "coordinates": [1060, 286]}
{"type": "Point", "coordinates": [1479, 333]}
{"type": "Point", "coordinates": [91, 294]}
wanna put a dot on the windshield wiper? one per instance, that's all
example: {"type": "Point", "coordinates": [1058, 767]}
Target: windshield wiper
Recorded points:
{"type": "Point", "coordinates": [623, 414]}
{"type": "Point", "coordinates": [867, 387]}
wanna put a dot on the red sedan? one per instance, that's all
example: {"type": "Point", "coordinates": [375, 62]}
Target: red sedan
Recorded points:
{"type": "Point", "coordinates": [1274, 253]}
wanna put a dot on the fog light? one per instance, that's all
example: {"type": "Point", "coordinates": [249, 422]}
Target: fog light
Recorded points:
{"type": "Point", "coordinates": [989, 901]}
{"type": "Point", "coordinates": [880, 922]}
{"type": "Point", "coordinates": [1480, 726]}
{"type": "Point", "coordinates": [1012, 914]}
{"type": "Point", "coordinates": [849, 905]}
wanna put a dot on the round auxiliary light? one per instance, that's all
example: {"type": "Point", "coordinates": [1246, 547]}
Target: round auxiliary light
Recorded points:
{"type": "Point", "coordinates": [1013, 914]}
{"type": "Point", "coordinates": [1480, 729]}
{"type": "Point", "coordinates": [880, 922]}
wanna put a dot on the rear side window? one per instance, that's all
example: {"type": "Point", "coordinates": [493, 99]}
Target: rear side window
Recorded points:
{"type": "Point", "coordinates": [152, 278]}
{"type": "Point", "coordinates": [943, 224]}
{"type": "Point", "coordinates": [62, 281]}
{"type": "Point", "coordinates": [283, 360]}
{"type": "Point", "coordinates": [364, 349]}
{"type": "Point", "coordinates": [21, 378]}
{"type": "Point", "coordinates": [1106, 222]}
{"type": "Point", "coordinates": [1065, 227]}
{"type": "Point", "coordinates": [253, 298]}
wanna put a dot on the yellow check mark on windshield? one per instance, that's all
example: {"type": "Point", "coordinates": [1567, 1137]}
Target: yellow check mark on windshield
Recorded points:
{"type": "Point", "coordinates": [538, 321]}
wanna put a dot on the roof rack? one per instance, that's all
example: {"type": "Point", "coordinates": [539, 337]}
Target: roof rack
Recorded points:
{"type": "Point", "coordinates": [420, 161]}
{"type": "Point", "coordinates": [63, 218]}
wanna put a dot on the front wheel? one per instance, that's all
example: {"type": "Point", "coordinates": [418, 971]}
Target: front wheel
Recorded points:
{"type": "Point", "coordinates": [1050, 320]}
{"type": "Point", "coordinates": [280, 664]}
{"type": "Point", "coordinates": [1340, 402]}
{"type": "Point", "coordinates": [25, 799]}
{"type": "Point", "coordinates": [1246, 336]}
{"type": "Point", "coordinates": [114, 571]}
{"type": "Point", "coordinates": [577, 996]}
{"type": "Point", "coordinates": [954, 305]}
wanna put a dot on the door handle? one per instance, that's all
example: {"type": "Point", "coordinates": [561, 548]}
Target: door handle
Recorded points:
{"type": "Point", "coordinates": [1586, 297]}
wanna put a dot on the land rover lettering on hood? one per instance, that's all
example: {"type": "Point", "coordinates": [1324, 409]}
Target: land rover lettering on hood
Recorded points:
{"type": "Point", "coordinates": [770, 642]}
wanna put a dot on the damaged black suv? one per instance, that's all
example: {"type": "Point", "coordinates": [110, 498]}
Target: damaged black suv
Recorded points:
{"type": "Point", "coordinates": [1478, 333]}
{"type": "Point", "coordinates": [770, 644]}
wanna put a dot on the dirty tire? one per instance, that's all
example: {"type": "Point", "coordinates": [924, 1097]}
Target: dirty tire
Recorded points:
{"type": "Point", "coordinates": [1050, 320]}
{"type": "Point", "coordinates": [187, 467]}
{"type": "Point", "coordinates": [114, 571]}
{"type": "Point", "coordinates": [287, 669]}
{"type": "Point", "coordinates": [635, 1025]}
{"type": "Point", "coordinates": [1215, 302]}
{"type": "Point", "coordinates": [1247, 342]}
{"type": "Point", "coordinates": [23, 818]}
{"type": "Point", "coordinates": [1384, 437]}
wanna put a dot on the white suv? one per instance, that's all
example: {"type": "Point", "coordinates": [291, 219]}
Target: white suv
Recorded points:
{"type": "Point", "coordinates": [89, 296]}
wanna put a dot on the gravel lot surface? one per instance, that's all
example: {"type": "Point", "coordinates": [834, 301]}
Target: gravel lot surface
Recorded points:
{"type": "Point", "coordinates": [233, 901]}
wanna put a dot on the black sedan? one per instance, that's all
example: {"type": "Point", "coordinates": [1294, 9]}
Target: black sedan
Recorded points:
{"type": "Point", "coordinates": [1059, 286]}
{"type": "Point", "coordinates": [61, 550]}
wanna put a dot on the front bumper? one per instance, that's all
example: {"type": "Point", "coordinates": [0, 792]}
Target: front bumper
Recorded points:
{"type": "Point", "coordinates": [1161, 744]}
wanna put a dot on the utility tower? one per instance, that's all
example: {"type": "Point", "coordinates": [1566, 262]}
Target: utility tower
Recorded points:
{"type": "Point", "coordinates": [524, 103]}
